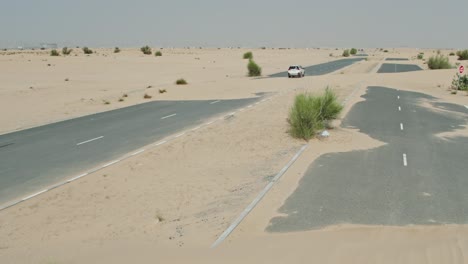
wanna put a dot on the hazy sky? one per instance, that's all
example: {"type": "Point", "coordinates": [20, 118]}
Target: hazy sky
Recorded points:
{"type": "Point", "coordinates": [248, 23]}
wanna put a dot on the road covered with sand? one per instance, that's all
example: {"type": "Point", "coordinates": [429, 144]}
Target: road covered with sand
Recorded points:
{"type": "Point", "coordinates": [176, 199]}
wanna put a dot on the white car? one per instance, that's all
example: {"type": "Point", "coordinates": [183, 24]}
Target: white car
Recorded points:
{"type": "Point", "coordinates": [296, 71]}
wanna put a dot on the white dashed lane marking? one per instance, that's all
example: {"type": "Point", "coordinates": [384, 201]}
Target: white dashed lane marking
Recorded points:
{"type": "Point", "coordinates": [405, 161]}
{"type": "Point", "coordinates": [87, 141]}
{"type": "Point", "coordinates": [168, 116]}
{"type": "Point", "coordinates": [401, 126]}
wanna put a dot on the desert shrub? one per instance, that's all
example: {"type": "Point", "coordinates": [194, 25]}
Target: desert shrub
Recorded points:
{"type": "Point", "coordinates": [311, 113]}
{"type": "Point", "coordinates": [460, 82]}
{"type": "Point", "coordinates": [248, 55]}
{"type": "Point", "coordinates": [116, 50]}
{"type": "Point", "coordinates": [181, 82]}
{"type": "Point", "coordinates": [66, 51]}
{"type": "Point", "coordinates": [147, 96]}
{"type": "Point", "coordinates": [420, 56]}
{"type": "Point", "coordinates": [162, 91]}
{"type": "Point", "coordinates": [254, 69]}
{"type": "Point", "coordinates": [462, 55]}
{"type": "Point", "coordinates": [158, 53]}
{"type": "Point", "coordinates": [146, 50]}
{"type": "Point", "coordinates": [87, 50]}
{"type": "Point", "coordinates": [353, 51]}
{"type": "Point", "coordinates": [54, 52]}
{"type": "Point", "coordinates": [439, 62]}
{"type": "Point", "coordinates": [346, 53]}
{"type": "Point", "coordinates": [385, 51]}
{"type": "Point", "coordinates": [331, 55]}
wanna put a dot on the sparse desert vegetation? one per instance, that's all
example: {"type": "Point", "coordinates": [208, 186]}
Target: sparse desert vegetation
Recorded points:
{"type": "Point", "coordinates": [462, 55]}
{"type": "Point", "coordinates": [146, 50]}
{"type": "Point", "coordinates": [460, 83]}
{"type": "Point", "coordinates": [438, 62]}
{"type": "Point", "coordinates": [66, 51]}
{"type": "Point", "coordinates": [346, 53]}
{"type": "Point", "coordinates": [117, 50]}
{"type": "Point", "coordinates": [248, 55]}
{"type": "Point", "coordinates": [181, 81]}
{"type": "Point", "coordinates": [87, 50]}
{"type": "Point", "coordinates": [158, 53]}
{"type": "Point", "coordinates": [54, 52]}
{"type": "Point", "coordinates": [161, 91]}
{"type": "Point", "coordinates": [147, 96]}
{"type": "Point", "coordinates": [452, 54]}
{"type": "Point", "coordinates": [253, 69]}
{"type": "Point", "coordinates": [311, 113]}
{"type": "Point", "coordinates": [420, 56]}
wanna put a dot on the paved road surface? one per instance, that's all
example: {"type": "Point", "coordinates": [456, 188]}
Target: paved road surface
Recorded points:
{"type": "Point", "coordinates": [396, 59]}
{"type": "Point", "coordinates": [37, 157]}
{"type": "Point", "coordinates": [416, 178]}
{"type": "Point", "coordinates": [391, 68]}
{"type": "Point", "coordinates": [323, 68]}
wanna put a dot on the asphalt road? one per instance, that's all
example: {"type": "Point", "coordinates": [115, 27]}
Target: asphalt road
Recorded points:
{"type": "Point", "coordinates": [392, 68]}
{"type": "Point", "coordinates": [323, 68]}
{"type": "Point", "coordinates": [41, 156]}
{"type": "Point", "coordinates": [416, 178]}
{"type": "Point", "coordinates": [396, 59]}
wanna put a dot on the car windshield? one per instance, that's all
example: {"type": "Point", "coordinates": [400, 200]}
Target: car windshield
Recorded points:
{"type": "Point", "coordinates": [292, 67]}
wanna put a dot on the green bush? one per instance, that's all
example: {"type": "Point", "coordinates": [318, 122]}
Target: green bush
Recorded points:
{"type": "Point", "coordinates": [439, 62]}
{"type": "Point", "coordinates": [353, 51]}
{"type": "Point", "coordinates": [248, 55]}
{"type": "Point", "coordinates": [420, 56]}
{"type": "Point", "coordinates": [311, 113]}
{"type": "Point", "coordinates": [254, 69]}
{"type": "Point", "coordinates": [346, 53]}
{"type": "Point", "coordinates": [181, 82]}
{"type": "Point", "coordinates": [158, 53]}
{"type": "Point", "coordinates": [452, 54]}
{"type": "Point", "coordinates": [462, 55]}
{"type": "Point", "coordinates": [54, 52]}
{"type": "Point", "coordinates": [66, 51]}
{"type": "Point", "coordinates": [146, 50]}
{"type": "Point", "coordinates": [116, 50]}
{"type": "Point", "coordinates": [460, 82]}
{"type": "Point", "coordinates": [87, 50]}
{"type": "Point", "coordinates": [385, 51]}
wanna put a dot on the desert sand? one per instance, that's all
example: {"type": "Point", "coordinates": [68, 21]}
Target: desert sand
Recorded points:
{"type": "Point", "coordinates": [171, 203]}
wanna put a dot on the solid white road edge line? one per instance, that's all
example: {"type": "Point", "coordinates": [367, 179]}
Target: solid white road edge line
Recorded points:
{"type": "Point", "coordinates": [466, 106]}
{"type": "Point", "coordinates": [87, 141]}
{"type": "Point", "coordinates": [77, 177]}
{"type": "Point", "coordinates": [405, 162]}
{"type": "Point", "coordinates": [110, 163]}
{"type": "Point", "coordinates": [179, 135]}
{"type": "Point", "coordinates": [160, 143]}
{"type": "Point", "coordinates": [214, 102]}
{"type": "Point", "coordinates": [138, 152]}
{"type": "Point", "coordinates": [257, 199]}
{"type": "Point", "coordinates": [168, 116]}
{"type": "Point", "coordinates": [33, 195]}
